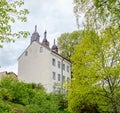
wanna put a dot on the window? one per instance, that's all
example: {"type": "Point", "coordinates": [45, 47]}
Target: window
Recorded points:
{"type": "Point", "coordinates": [26, 53]}
{"type": "Point", "coordinates": [53, 88]}
{"type": "Point", "coordinates": [58, 64]}
{"type": "Point", "coordinates": [53, 62]}
{"type": "Point", "coordinates": [63, 66]}
{"type": "Point", "coordinates": [41, 49]}
{"type": "Point", "coordinates": [54, 77]}
{"type": "Point", "coordinates": [58, 77]}
{"type": "Point", "coordinates": [68, 69]}
{"type": "Point", "coordinates": [63, 78]}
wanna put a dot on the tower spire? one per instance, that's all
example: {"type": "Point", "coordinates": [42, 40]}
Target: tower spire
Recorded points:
{"type": "Point", "coordinates": [54, 47]}
{"type": "Point", "coordinates": [35, 36]}
{"type": "Point", "coordinates": [45, 42]}
{"type": "Point", "coordinates": [35, 28]}
{"type": "Point", "coordinates": [45, 34]}
{"type": "Point", "coordinates": [54, 41]}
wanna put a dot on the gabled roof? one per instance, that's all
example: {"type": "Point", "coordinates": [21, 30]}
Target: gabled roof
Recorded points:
{"type": "Point", "coordinates": [61, 56]}
{"type": "Point", "coordinates": [27, 49]}
{"type": "Point", "coordinates": [46, 48]}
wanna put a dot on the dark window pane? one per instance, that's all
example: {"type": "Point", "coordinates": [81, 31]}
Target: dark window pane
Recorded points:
{"type": "Point", "coordinates": [54, 77]}
{"type": "Point", "coordinates": [58, 64]}
{"type": "Point", "coordinates": [58, 77]}
{"type": "Point", "coordinates": [53, 62]}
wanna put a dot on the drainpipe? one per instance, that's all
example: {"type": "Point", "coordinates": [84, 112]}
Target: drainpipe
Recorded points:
{"type": "Point", "coordinates": [62, 75]}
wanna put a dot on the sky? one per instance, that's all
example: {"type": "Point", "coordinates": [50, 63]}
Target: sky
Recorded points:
{"type": "Point", "coordinates": [55, 16]}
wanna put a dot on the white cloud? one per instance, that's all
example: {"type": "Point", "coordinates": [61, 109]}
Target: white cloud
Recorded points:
{"type": "Point", "coordinates": [56, 16]}
{"type": "Point", "coordinates": [10, 68]}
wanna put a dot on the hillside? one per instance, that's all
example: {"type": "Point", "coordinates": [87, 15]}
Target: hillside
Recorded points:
{"type": "Point", "coordinates": [20, 97]}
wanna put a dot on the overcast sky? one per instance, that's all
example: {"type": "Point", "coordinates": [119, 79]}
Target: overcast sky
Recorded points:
{"type": "Point", "coordinates": [55, 16]}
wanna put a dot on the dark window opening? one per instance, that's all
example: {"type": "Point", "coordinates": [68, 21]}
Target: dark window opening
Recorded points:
{"type": "Point", "coordinates": [54, 77]}
{"type": "Point", "coordinates": [53, 62]}
{"type": "Point", "coordinates": [26, 53]}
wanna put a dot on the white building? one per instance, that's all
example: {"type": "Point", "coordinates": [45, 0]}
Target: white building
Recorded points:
{"type": "Point", "coordinates": [40, 64]}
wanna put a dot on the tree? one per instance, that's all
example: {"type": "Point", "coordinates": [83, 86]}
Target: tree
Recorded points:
{"type": "Point", "coordinates": [16, 96]}
{"type": "Point", "coordinates": [98, 13]}
{"type": "Point", "coordinates": [96, 73]}
{"type": "Point", "coordinates": [10, 12]}
{"type": "Point", "coordinates": [67, 42]}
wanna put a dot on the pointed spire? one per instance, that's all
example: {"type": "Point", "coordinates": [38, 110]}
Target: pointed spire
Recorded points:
{"type": "Point", "coordinates": [54, 41]}
{"type": "Point", "coordinates": [45, 42]}
{"type": "Point", "coordinates": [54, 47]}
{"type": "Point", "coordinates": [45, 34]}
{"type": "Point", "coordinates": [35, 28]}
{"type": "Point", "coordinates": [35, 36]}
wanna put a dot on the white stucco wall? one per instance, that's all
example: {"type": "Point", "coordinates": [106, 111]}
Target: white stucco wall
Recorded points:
{"type": "Point", "coordinates": [59, 70]}
{"type": "Point", "coordinates": [37, 66]}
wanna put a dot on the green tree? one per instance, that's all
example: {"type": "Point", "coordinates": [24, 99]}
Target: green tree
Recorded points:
{"type": "Point", "coordinates": [16, 96]}
{"type": "Point", "coordinates": [14, 91]}
{"type": "Point", "coordinates": [43, 103]}
{"type": "Point", "coordinates": [98, 13]}
{"type": "Point", "coordinates": [96, 75]}
{"type": "Point", "coordinates": [10, 12]}
{"type": "Point", "coordinates": [67, 42]}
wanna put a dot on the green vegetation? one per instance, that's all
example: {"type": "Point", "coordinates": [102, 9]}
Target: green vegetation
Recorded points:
{"type": "Point", "coordinates": [94, 52]}
{"type": "Point", "coordinates": [95, 70]}
{"type": "Point", "coordinates": [98, 13]}
{"type": "Point", "coordinates": [96, 73]}
{"type": "Point", "coordinates": [67, 42]}
{"type": "Point", "coordinates": [20, 97]}
{"type": "Point", "coordinates": [95, 58]}
{"type": "Point", "coordinates": [10, 12]}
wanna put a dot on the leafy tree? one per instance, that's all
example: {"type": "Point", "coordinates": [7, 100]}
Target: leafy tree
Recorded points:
{"type": "Point", "coordinates": [96, 75]}
{"type": "Point", "coordinates": [67, 42]}
{"type": "Point", "coordinates": [98, 13]}
{"type": "Point", "coordinates": [44, 103]}
{"type": "Point", "coordinates": [14, 91]}
{"type": "Point", "coordinates": [11, 11]}
{"type": "Point", "coordinates": [28, 97]}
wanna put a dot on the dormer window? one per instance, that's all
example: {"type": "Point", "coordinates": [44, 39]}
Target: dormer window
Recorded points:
{"type": "Point", "coordinates": [41, 49]}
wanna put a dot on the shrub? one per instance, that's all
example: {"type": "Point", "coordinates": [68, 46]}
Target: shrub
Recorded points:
{"type": "Point", "coordinates": [5, 108]}
{"type": "Point", "coordinates": [43, 103]}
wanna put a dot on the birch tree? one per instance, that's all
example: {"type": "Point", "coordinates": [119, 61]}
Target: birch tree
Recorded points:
{"type": "Point", "coordinates": [10, 12]}
{"type": "Point", "coordinates": [96, 73]}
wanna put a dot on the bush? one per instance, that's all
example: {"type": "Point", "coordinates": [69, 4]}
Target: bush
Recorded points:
{"type": "Point", "coordinates": [5, 108]}
{"type": "Point", "coordinates": [31, 96]}
{"type": "Point", "coordinates": [43, 103]}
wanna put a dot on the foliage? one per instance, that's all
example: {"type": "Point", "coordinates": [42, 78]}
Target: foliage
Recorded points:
{"type": "Point", "coordinates": [98, 13]}
{"type": "Point", "coordinates": [5, 108]}
{"type": "Point", "coordinates": [31, 96]}
{"type": "Point", "coordinates": [14, 91]}
{"type": "Point", "coordinates": [10, 12]}
{"type": "Point", "coordinates": [95, 87]}
{"type": "Point", "coordinates": [67, 42]}
{"type": "Point", "coordinates": [44, 103]}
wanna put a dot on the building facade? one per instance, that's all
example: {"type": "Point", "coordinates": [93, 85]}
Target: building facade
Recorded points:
{"type": "Point", "coordinates": [41, 64]}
